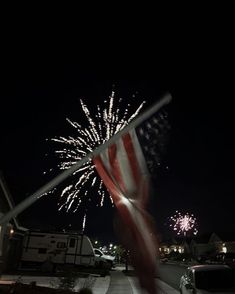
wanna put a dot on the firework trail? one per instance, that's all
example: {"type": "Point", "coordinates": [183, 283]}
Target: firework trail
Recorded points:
{"type": "Point", "coordinates": [106, 122]}
{"type": "Point", "coordinates": [183, 224]}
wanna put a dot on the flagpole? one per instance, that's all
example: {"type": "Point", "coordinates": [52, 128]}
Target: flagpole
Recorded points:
{"type": "Point", "coordinates": [61, 177]}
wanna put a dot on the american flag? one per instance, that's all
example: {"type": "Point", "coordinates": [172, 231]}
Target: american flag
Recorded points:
{"type": "Point", "coordinates": [125, 168]}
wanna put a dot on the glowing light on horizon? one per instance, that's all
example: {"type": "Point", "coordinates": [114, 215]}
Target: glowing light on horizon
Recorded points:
{"type": "Point", "coordinates": [106, 122]}
{"type": "Point", "coordinates": [184, 224]}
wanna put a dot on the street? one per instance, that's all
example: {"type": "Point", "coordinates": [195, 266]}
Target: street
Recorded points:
{"type": "Point", "coordinates": [171, 273]}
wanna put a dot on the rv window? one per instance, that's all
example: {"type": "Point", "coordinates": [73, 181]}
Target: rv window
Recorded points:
{"type": "Point", "coordinates": [61, 245]}
{"type": "Point", "coordinates": [72, 242]}
{"type": "Point", "coordinates": [42, 250]}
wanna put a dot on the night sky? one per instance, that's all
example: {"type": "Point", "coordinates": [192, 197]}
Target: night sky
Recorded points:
{"type": "Point", "coordinates": [38, 91]}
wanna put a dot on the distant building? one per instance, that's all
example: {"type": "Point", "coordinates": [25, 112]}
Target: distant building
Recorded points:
{"type": "Point", "coordinates": [223, 242]}
{"type": "Point", "coordinates": [170, 245]}
{"type": "Point", "coordinates": [11, 234]}
{"type": "Point", "coordinates": [201, 247]}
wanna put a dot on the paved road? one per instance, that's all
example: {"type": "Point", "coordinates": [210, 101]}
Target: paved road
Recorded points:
{"type": "Point", "coordinates": [171, 273]}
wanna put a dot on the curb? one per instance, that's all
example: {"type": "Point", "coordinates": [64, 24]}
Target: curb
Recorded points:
{"type": "Point", "coordinates": [163, 288]}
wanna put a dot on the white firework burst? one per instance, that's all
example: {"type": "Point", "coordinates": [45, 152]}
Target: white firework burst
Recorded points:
{"type": "Point", "coordinates": [183, 224]}
{"type": "Point", "coordinates": [106, 122]}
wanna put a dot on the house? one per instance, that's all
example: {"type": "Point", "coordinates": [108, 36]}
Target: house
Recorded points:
{"type": "Point", "coordinates": [200, 247]}
{"type": "Point", "coordinates": [11, 234]}
{"type": "Point", "coordinates": [211, 244]}
{"type": "Point", "coordinates": [171, 245]}
{"type": "Point", "coordinates": [223, 242]}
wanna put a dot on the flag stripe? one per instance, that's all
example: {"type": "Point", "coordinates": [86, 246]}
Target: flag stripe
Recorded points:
{"type": "Point", "coordinates": [131, 214]}
{"type": "Point", "coordinates": [109, 182]}
{"type": "Point", "coordinates": [115, 167]}
{"type": "Point", "coordinates": [125, 162]}
{"type": "Point", "coordinates": [143, 197]}
{"type": "Point", "coordinates": [143, 234]}
{"type": "Point", "coordinates": [139, 153]}
{"type": "Point", "coordinates": [125, 170]}
{"type": "Point", "coordinates": [132, 158]}
{"type": "Point", "coordinates": [122, 176]}
{"type": "Point", "coordinates": [108, 167]}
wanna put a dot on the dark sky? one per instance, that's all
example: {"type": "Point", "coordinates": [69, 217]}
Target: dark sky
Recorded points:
{"type": "Point", "coordinates": [38, 91]}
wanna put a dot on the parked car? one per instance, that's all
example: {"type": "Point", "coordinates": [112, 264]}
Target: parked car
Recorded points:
{"type": "Point", "coordinates": [213, 278]}
{"type": "Point", "coordinates": [102, 259]}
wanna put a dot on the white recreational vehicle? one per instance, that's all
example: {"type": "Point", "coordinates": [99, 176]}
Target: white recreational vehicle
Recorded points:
{"type": "Point", "coordinates": [57, 248]}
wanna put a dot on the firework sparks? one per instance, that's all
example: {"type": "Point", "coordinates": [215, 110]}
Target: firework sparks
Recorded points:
{"type": "Point", "coordinates": [106, 122]}
{"type": "Point", "coordinates": [84, 222]}
{"type": "Point", "coordinates": [183, 224]}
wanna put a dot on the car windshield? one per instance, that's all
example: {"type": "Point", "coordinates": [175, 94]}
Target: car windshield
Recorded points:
{"type": "Point", "coordinates": [98, 252]}
{"type": "Point", "coordinates": [215, 279]}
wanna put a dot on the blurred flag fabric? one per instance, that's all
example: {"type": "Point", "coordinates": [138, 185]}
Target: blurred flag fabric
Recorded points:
{"type": "Point", "coordinates": [125, 168]}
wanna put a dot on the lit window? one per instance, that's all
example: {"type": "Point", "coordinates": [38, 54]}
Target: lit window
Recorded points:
{"type": "Point", "coordinates": [224, 248]}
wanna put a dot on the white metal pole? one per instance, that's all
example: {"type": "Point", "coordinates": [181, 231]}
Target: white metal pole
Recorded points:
{"type": "Point", "coordinates": [61, 177]}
